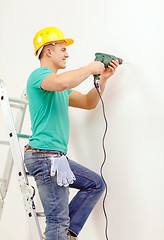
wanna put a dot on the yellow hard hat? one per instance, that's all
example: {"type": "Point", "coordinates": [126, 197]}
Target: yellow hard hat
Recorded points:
{"type": "Point", "coordinates": [49, 35]}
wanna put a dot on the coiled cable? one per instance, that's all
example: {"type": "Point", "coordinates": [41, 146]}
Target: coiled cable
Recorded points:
{"type": "Point", "coordinates": [104, 150]}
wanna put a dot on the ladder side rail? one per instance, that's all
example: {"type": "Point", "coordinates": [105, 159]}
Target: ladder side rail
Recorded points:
{"type": "Point", "coordinates": [9, 162]}
{"type": "Point", "coordinates": [27, 191]}
{"type": "Point", "coordinates": [4, 182]}
{"type": "Point", "coordinates": [12, 136]}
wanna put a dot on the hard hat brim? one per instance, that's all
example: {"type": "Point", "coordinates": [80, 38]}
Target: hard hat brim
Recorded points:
{"type": "Point", "coordinates": [68, 41]}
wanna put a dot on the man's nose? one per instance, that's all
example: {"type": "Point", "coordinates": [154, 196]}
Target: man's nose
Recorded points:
{"type": "Point", "coordinates": [66, 55]}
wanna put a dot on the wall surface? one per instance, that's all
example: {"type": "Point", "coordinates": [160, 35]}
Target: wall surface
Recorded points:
{"type": "Point", "coordinates": [134, 104]}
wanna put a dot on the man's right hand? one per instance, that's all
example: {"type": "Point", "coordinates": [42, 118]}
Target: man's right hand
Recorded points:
{"type": "Point", "coordinates": [96, 67]}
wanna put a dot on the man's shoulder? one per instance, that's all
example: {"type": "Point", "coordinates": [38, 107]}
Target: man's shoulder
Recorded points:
{"type": "Point", "coordinates": [40, 71]}
{"type": "Point", "coordinates": [37, 76]}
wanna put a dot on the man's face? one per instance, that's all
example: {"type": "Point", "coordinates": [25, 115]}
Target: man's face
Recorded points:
{"type": "Point", "coordinates": [59, 55]}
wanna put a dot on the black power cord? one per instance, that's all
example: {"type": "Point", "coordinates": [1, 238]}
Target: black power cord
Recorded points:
{"type": "Point", "coordinates": [103, 145]}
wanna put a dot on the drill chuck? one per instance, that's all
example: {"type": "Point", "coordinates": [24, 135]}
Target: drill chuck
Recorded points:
{"type": "Point", "coordinates": [120, 61]}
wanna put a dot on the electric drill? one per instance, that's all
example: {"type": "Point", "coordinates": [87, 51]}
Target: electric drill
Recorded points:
{"type": "Point", "coordinates": [106, 59]}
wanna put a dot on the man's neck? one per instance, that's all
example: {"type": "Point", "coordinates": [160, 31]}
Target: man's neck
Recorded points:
{"type": "Point", "coordinates": [49, 65]}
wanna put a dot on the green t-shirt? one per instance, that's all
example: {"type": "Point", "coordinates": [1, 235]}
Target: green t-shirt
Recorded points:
{"type": "Point", "coordinates": [49, 114]}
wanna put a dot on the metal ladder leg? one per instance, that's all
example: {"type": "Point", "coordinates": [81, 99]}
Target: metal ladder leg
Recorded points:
{"type": "Point", "coordinates": [4, 181]}
{"type": "Point", "coordinates": [27, 191]}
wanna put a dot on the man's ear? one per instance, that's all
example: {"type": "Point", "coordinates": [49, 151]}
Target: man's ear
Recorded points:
{"type": "Point", "coordinates": [48, 52]}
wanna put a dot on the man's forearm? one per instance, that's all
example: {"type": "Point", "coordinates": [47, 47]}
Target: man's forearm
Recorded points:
{"type": "Point", "coordinates": [73, 78]}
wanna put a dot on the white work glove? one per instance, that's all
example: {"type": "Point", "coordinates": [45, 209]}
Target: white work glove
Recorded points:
{"type": "Point", "coordinates": [61, 166]}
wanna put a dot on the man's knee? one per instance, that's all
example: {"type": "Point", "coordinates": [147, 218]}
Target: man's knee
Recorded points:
{"type": "Point", "coordinates": [101, 184]}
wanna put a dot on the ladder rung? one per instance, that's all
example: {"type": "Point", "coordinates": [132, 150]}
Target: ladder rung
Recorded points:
{"type": "Point", "coordinates": [27, 173]}
{"type": "Point", "coordinates": [40, 214]}
{"type": "Point", "coordinates": [3, 180]}
{"type": "Point", "coordinates": [23, 135]}
{"type": "Point", "coordinates": [4, 142]}
{"type": "Point", "coordinates": [18, 135]}
{"type": "Point", "coordinates": [18, 101]}
{"type": "Point", "coordinates": [20, 106]}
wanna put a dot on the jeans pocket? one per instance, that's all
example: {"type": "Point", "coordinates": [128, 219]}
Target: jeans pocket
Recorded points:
{"type": "Point", "coordinates": [35, 170]}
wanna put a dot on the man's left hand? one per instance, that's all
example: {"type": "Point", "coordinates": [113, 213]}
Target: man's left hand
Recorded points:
{"type": "Point", "coordinates": [108, 72]}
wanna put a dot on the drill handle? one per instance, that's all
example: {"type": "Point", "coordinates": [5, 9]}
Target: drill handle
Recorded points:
{"type": "Point", "coordinates": [96, 77]}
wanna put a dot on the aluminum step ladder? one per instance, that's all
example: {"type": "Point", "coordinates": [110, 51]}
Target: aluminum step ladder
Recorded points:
{"type": "Point", "coordinates": [15, 157]}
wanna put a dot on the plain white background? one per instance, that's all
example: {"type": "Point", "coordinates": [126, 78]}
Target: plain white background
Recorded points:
{"type": "Point", "coordinates": [134, 103]}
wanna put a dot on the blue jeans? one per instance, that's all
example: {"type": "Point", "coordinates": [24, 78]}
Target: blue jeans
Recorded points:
{"type": "Point", "coordinates": [60, 215]}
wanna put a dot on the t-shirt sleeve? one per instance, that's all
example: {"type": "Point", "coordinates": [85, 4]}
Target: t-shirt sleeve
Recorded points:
{"type": "Point", "coordinates": [69, 91]}
{"type": "Point", "coordinates": [38, 75]}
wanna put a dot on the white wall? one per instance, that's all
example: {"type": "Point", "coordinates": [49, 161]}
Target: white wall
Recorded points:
{"type": "Point", "coordinates": [134, 102]}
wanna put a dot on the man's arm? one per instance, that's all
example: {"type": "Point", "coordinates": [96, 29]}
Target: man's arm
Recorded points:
{"type": "Point", "coordinates": [71, 79]}
{"type": "Point", "coordinates": [90, 100]}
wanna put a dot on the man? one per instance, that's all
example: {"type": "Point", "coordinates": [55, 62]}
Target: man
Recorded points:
{"type": "Point", "coordinates": [49, 95]}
